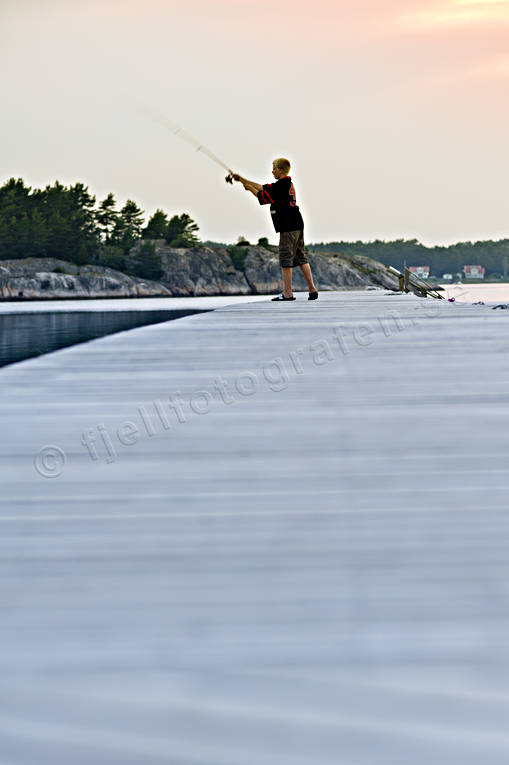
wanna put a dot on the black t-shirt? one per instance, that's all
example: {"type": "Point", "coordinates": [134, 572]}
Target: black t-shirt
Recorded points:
{"type": "Point", "coordinates": [283, 205]}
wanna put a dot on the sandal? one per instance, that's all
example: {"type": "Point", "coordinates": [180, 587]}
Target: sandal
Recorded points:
{"type": "Point", "coordinates": [313, 296]}
{"type": "Point", "coordinates": [282, 297]}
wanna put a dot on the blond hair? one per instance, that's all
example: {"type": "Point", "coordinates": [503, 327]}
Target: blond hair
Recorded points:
{"type": "Point", "coordinates": [282, 164]}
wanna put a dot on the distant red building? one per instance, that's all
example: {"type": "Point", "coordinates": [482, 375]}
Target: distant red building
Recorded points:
{"type": "Point", "coordinates": [473, 272]}
{"type": "Point", "coordinates": [421, 271]}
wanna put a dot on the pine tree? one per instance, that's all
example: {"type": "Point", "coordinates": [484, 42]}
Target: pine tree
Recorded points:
{"type": "Point", "coordinates": [83, 227]}
{"type": "Point", "coordinates": [157, 226]}
{"type": "Point", "coordinates": [38, 234]}
{"type": "Point", "coordinates": [181, 231]}
{"type": "Point", "coordinates": [14, 220]}
{"type": "Point", "coordinates": [128, 226]}
{"type": "Point", "coordinates": [106, 218]}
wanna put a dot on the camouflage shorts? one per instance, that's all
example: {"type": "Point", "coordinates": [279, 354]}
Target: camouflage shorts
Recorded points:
{"type": "Point", "coordinates": [291, 249]}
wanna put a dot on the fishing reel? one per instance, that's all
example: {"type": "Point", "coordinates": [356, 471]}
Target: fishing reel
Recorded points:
{"type": "Point", "coordinates": [229, 178]}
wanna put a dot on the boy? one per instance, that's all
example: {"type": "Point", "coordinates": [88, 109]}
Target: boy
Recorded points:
{"type": "Point", "coordinates": [287, 221]}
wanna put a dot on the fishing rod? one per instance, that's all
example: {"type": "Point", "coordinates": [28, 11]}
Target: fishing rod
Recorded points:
{"type": "Point", "coordinates": [188, 138]}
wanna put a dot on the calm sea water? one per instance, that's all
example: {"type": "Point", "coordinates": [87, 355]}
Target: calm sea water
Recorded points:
{"type": "Point", "coordinates": [35, 327]}
{"type": "Point", "coordinates": [25, 335]}
{"type": "Point", "coordinates": [473, 293]}
{"type": "Point", "coordinates": [40, 327]}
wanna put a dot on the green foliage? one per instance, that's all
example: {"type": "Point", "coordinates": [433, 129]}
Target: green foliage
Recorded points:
{"type": "Point", "coordinates": [80, 255]}
{"type": "Point", "coordinates": [238, 256]}
{"type": "Point", "coordinates": [128, 226]}
{"type": "Point", "coordinates": [242, 242]}
{"type": "Point", "coordinates": [181, 231]}
{"type": "Point", "coordinates": [53, 222]}
{"type": "Point", "coordinates": [146, 263]}
{"type": "Point", "coordinates": [65, 222]}
{"type": "Point", "coordinates": [367, 271]}
{"type": "Point", "coordinates": [19, 222]}
{"type": "Point", "coordinates": [70, 222]}
{"type": "Point", "coordinates": [214, 245]}
{"type": "Point", "coordinates": [113, 257]}
{"type": "Point", "coordinates": [181, 241]}
{"type": "Point", "coordinates": [157, 226]}
{"type": "Point", "coordinates": [106, 218]}
{"type": "Point", "coordinates": [494, 256]}
{"type": "Point", "coordinates": [59, 270]}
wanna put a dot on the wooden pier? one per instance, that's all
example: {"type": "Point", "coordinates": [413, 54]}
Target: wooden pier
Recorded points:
{"type": "Point", "coordinates": [272, 534]}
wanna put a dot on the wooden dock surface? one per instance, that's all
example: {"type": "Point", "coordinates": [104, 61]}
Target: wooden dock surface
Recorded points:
{"type": "Point", "coordinates": [265, 535]}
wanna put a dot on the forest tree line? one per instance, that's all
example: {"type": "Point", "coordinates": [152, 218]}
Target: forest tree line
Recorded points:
{"type": "Point", "coordinates": [67, 222]}
{"type": "Point", "coordinates": [493, 255]}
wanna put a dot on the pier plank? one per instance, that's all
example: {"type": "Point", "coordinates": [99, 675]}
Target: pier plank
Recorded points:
{"type": "Point", "coordinates": [286, 541]}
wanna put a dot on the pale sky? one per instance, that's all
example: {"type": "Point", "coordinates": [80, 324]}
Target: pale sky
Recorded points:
{"type": "Point", "coordinates": [394, 113]}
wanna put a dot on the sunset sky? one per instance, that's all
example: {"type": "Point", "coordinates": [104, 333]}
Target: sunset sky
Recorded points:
{"type": "Point", "coordinates": [394, 113]}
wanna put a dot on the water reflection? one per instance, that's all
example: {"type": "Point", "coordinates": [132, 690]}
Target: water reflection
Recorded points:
{"type": "Point", "coordinates": [25, 335]}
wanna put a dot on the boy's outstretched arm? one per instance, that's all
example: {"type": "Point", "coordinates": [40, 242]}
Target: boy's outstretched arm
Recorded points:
{"type": "Point", "coordinates": [251, 186]}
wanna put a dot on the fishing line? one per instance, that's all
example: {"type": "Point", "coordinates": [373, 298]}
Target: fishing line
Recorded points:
{"type": "Point", "coordinates": [188, 138]}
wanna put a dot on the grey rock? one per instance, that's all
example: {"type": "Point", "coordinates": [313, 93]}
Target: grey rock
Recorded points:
{"type": "Point", "coordinates": [199, 271]}
{"type": "Point", "coordinates": [187, 272]}
{"type": "Point", "coordinates": [206, 271]}
{"type": "Point", "coordinates": [34, 278]}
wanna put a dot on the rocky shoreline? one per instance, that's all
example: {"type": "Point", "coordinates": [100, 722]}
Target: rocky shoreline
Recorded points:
{"type": "Point", "coordinates": [187, 272]}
